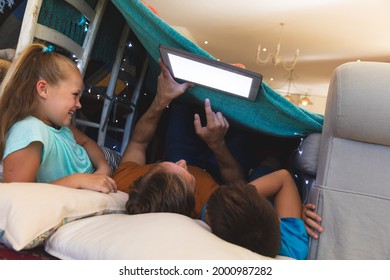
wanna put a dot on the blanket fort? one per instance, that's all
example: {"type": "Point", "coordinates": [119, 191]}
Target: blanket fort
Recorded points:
{"type": "Point", "coordinates": [271, 113]}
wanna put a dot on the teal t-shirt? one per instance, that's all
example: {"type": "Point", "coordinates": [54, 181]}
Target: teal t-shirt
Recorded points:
{"type": "Point", "coordinates": [295, 240]}
{"type": "Point", "coordinates": [61, 155]}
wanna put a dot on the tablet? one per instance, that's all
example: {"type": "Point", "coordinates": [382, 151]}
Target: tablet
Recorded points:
{"type": "Point", "coordinates": [211, 73]}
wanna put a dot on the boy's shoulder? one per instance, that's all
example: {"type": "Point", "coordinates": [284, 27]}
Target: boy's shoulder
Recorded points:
{"type": "Point", "coordinates": [294, 238]}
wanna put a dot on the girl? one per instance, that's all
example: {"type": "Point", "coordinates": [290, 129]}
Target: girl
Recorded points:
{"type": "Point", "coordinates": [38, 98]}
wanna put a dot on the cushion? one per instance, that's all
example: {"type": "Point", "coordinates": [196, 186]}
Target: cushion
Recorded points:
{"type": "Point", "coordinates": [306, 156]}
{"type": "Point", "coordinates": [358, 103]}
{"type": "Point", "coordinates": [151, 236]}
{"type": "Point", "coordinates": [31, 212]}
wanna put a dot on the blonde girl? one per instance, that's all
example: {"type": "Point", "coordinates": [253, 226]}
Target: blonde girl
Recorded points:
{"type": "Point", "coordinates": [38, 98]}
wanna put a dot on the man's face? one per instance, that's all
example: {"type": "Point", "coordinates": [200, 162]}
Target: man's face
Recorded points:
{"type": "Point", "coordinates": [179, 168]}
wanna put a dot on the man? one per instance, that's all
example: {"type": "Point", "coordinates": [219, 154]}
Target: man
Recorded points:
{"type": "Point", "coordinates": [186, 189]}
{"type": "Point", "coordinates": [132, 164]}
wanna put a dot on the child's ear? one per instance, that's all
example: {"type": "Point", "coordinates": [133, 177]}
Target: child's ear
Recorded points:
{"type": "Point", "coordinates": [42, 88]}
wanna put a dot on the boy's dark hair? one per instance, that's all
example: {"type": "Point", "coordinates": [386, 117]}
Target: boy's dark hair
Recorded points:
{"type": "Point", "coordinates": [240, 215]}
{"type": "Point", "coordinates": [161, 192]}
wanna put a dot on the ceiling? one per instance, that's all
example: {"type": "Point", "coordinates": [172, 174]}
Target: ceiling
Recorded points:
{"type": "Point", "coordinates": [327, 33]}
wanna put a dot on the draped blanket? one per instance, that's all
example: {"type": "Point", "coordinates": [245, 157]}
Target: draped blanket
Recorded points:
{"type": "Point", "coordinates": [271, 113]}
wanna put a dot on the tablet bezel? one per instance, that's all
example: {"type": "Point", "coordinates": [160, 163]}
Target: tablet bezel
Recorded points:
{"type": "Point", "coordinates": [255, 77]}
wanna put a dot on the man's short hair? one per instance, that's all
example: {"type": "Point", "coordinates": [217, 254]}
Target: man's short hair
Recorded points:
{"type": "Point", "coordinates": [161, 191]}
{"type": "Point", "coordinates": [240, 215]}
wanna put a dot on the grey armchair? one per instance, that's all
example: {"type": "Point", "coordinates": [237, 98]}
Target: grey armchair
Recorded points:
{"type": "Point", "coordinates": [352, 187]}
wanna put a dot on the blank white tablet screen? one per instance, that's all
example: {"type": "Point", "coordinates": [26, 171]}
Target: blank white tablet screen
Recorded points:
{"type": "Point", "coordinates": [210, 76]}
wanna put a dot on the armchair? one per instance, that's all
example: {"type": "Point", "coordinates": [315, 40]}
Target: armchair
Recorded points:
{"type": "Point", "coordinates": [352, 187]}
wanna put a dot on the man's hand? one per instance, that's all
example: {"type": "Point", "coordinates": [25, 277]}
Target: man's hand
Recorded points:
{"type": "Point", "coordinates": [167, 88]}
{"type": "Point", "coordinates": [213, 134]}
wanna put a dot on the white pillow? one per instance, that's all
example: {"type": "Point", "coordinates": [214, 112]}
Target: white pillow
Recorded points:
{"type": "Point", "coordinates": [31, 212]}
{"type": "Point", "coordinates": [152, 236]}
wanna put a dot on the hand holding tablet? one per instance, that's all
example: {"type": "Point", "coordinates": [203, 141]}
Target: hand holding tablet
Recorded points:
{"type": "Point", "coordinates": [211, 73]}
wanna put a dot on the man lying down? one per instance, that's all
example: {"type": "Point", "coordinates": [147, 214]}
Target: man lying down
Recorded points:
{"type": "Point", "coordinates": [205, 176]}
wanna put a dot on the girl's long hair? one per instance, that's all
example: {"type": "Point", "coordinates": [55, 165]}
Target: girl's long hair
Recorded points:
{"type": "Point", "coordinates": [18, 89]}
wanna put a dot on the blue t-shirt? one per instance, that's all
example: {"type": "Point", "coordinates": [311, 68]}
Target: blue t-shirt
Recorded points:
{"type": "Point", "coordinates": [294, 239]}
{"type": "Point", "coordinates": [61, 155]}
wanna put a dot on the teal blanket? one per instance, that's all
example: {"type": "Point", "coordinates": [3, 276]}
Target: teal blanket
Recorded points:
{"type": "Point", "coordinates": [271, 113]}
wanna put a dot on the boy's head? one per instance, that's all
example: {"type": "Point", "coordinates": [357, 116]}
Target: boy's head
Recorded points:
{"type": "Point", "coordinates": [161, 191]}
{"type": "Point", "coordinates": [240, 215]}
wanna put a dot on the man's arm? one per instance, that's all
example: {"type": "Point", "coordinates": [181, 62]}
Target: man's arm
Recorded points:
{"type": "Point", "coordinates": [213, 134]}
{"type": "Point", "coordinates": [167, 90]}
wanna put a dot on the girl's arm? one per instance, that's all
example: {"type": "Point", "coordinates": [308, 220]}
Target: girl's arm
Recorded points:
{"type": "Point", "coordinates": [23, 165]}
{"type": "Point", "coordinates": [93, 182]}
{"type": "Point", "coordinates": [93, 150]}
{"type": "Point", "coordinates": [280, 186]}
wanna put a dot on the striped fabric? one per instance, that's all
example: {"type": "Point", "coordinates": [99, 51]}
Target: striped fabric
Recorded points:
{"type": "Point", "coordinates": [112, 158]}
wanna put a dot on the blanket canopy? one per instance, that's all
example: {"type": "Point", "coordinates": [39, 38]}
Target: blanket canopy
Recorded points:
{"type": "Point", "coordinates": [271, 113]}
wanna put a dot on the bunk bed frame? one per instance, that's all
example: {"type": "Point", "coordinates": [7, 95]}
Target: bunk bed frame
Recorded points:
{"type": "Point", "coordinates": [33, 30]}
